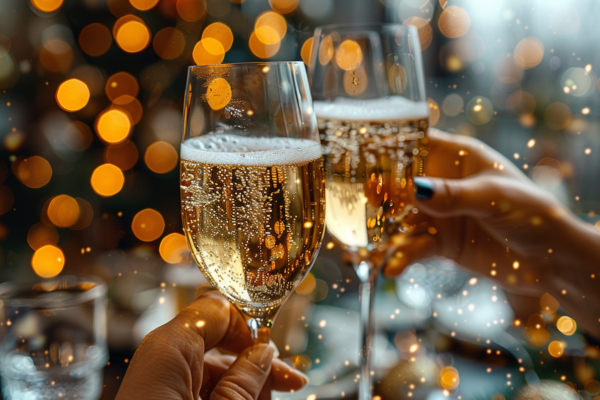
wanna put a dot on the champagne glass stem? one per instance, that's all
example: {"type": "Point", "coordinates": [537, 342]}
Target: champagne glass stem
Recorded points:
{"type": "Point", "coordinates": [367, 273]}
{"type": "Point", "coordinates": [260, 332]}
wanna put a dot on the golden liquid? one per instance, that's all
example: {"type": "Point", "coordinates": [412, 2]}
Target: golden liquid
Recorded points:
{"type": "Point", "coordinates": [254, 230]}
{"type": "Point", "coordinates": [369, 171]}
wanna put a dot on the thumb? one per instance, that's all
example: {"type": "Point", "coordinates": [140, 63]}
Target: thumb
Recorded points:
{"type": "Point", "coordinates": [247, 376]}
{"type": "Point", "coordinates": [475, 196]}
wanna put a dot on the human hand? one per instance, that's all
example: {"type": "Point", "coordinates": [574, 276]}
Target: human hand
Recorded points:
{"type": "Point", "coordinates": [478, 209]}
{"type": "Point", "coordinates": [170, 363]}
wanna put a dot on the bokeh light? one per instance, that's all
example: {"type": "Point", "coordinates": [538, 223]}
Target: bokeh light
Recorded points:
{"type": "Point", "coordinates": [72, 95]}
{"type": "Point", "coordinates": [113, 126]}
{"type": "Point", "coordinates": [424, 29]}
{"type": "Point", "coordinates": [355, 81]}
{"type": "Point", "coordinates": [169, 43]}
{"type": "Point", "coordinates": [434, 111]}
{"type": "Point", "coordinates": [173, 248]}
{"type": "Point", "coordinates": [120, 84]}
{"type": "Point", "coordinates": [529, 53]}
{"type": "Point", "coordinates": [148, 225]}
{"type": "Point", "coordinates": [191, 10]}
{"type": "Point", "coordinates": [479, 110]}
{"type": "Point", "coordinates": [307, 286]}
{"type": "Point", "coordinates": [95, 39]}
{"type": "Point", "coordinates": [161, 157]}
{"type": "Point", "coordinates": [55, 56]}
{"type": "Point", "coordinates": [124, 155]}
{"type": "Point", "coordinates": [33, 172]}
{"type": "Point", "coordinates": [349, 55]}
{"type": "Point", "coordinates": [221, 32]}
{"type": "Point", "coordinates": [566, 325]}
{"type": "Point", "coordinates": [218, 94]}
{"type": "Point", "coordinates": [284, 6]}
{"type": "Point", "coordinates": [449, 378]}
{"type": "Point", "coordinates": [261, 50]}
{"type": "Point", "coordinates": [47, 5]}
{"type": "Point", "coordinates": [143, 5]}
{"type": "Point", "coordinates": [48, 261]}
{"type": "Point", "coordinates": [133, 36]}
{"type": "Point", "coordinates": [63, 211]}
{"type": "Point", "coordinates": [306, 51]}
{"type": "Point", "coordinates": [208, 51]}
{"type": "Point", "coordinates": [454, 22]}
{"type": "Point", "coordinates": [107, 180]}
{"type": "Point", "coordinates": [556, 348]}
{"type": "Point", "coordinates": [40, 235]}
{"type": "Point", "coordinates": [326, 50]}
{"type": "Point", "coordinates": [270, 28]}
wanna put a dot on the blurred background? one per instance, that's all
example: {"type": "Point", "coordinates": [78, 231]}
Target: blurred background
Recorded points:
{"type": "Point", "coordinates": [91, 97]}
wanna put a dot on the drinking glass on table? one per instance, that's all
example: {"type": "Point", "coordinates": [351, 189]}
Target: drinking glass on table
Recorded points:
{"type": "Point", "coordinates": [252, 183]}
{"type": "Point", "coordinates": [367, 82]}
{"type": "Point", "coordinates": [53, 338]}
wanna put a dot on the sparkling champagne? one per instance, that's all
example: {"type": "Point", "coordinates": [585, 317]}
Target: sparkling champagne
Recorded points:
{"type": "Point", "coordinates": [253, 212]}
{"type": "Point", "coordinates": [372, 150]}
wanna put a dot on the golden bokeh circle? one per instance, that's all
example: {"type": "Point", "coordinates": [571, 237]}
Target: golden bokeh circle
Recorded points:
{"type": "Point", "coordinates": [270, 28]}
{"type": "Point", "coordinates": [124, 155]}
{"type": "Point", "coordinates": [218, 94]}
{"type": "Point", "coordinates": [169, 43]}
{"type": "Point", "coordinates": [423, 28]}
{"type": "Point", "coordinates": [72, 95]}
{"type": "Point", "coordinates": [34, 172]}
{"type": "Point", "coordinates": [284, 6]}
{"type": "Point", "coordinates": [349, 55]}
{"type": "Point", "coordinates": [107, 180]}
{"type": "Point", "coordinates": [48, 261]}
{"type": "Point", "coordinates": [173, 248]}
{"type": "Point", "coordinates": [306, 51]}
{"type": "Point", "coordinates": [161, 157]}
{"type": "Point", "coordinates": [113, 126]}
{"type": "Point", "coordinates": [47, 5]}
{"type": "Point", "coordinates": [208, 51]}
{"type": "Point", "coordinates": [191, 10]}
{"type": "Point", "coordinates": [40, 235]}
{"type": "Point", "coordinates": [220, 32]}
{"type": "Point", "coordinates": [148, 225]}
{"type": "Point", "coordinates": [556, 348]}
{"type": "Point", "coordinates": [143, 5]}
{"type": "Point", "coordinates": [63, 211]}
{"type": "Point", "coordinates": [454, 22]}
{"type": "Point", "coordinates": [529, 53]}
{"type": "Point", "coordinates": [120, 84]}
{"type": "Point", "coordinates": [133, 36]}
{"type": "Point", "coordinates": [95, 39]}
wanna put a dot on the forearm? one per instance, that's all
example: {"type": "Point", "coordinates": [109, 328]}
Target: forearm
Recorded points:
{"type": "Point", "coordinates": [576, 273]}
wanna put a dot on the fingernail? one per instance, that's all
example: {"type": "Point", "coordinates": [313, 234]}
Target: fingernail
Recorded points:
{"type": "Point", "coordinates": [261, 355]}
{"type": "Point", "coordinates": [424, 188]}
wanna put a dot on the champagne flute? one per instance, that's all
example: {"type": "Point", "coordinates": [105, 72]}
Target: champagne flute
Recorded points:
{"type": "Point", "coordinates": [252, 183]}
{"type": "Point", "coordinates": [369, 98]}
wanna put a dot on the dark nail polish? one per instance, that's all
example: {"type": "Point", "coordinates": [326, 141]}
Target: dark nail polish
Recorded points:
{"type": "Point", "coordinates": [424, 188]}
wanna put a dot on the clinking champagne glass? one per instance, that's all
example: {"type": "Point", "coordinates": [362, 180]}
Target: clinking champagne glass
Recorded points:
{"type": "Point", "coordinates": [252, 183]}
{"type": "Point", "coordinates": [367, 82]}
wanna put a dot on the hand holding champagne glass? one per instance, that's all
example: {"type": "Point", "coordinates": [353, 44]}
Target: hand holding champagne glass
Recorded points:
{"type": "Point", "coordinates": [368, 86]}
{"type": "Point", "coordinates": [252, 183]}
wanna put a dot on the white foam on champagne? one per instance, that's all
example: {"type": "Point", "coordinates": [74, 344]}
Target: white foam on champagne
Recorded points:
{"type": "Point", "coordinates": [225, 149]}
{"type": "Point", "coordinates": [393, 108]}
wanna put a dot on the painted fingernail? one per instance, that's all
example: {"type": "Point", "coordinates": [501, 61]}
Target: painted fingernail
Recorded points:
{"type": "Point", "coordinates": [261, 355]}
{"type": "Point", "coordinates": [424, 188]}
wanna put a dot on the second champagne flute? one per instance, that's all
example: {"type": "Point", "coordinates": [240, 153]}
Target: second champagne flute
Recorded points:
{"type": "Point", "coordinates": [252, 185]}
{"type": "Point", "coordinates": [369, 97]}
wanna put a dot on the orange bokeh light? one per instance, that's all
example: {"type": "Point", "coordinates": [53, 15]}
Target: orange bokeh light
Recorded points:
{"type": "Point", "coordinates": [143, 5]}
{"type": "Point", "coordinates": [57, 56]}
{"type": "Point", "coordinates": [148, 225]}
{"type": "Point", "coordinates": [173, 248]}
{"type": "Point", "coordinates": [556, 349]}
{"type": "Point", "coordinates": [121, 84]}
{"type": "Point", "coordinates": [306, 50]}
{"type": "Point", "coordinates": [133, 36]}
{"type": "Point", "coordinates": [424, 29]}
{"type": "Point", "coordinates": [107, 180]}
{"type": "Point", "coordinates": [191, 10]}
{"type": "Point", "coordinates": [34, 172]}
{"type": "Point", "coordinates": [169, 43]}
{"type": "Point", "coordinates": [261, 50]}
{"type": "Point", "coordinates": [326, 50]}
{"type": "Point", "coordinates": [95, 39]}
{"type": "Point", "coordinates": [270, 28]}
{"type": "Point", "coordinates": [161, 157]}
{"type": "Point", "coordinates": [72, 95]}
{"type": "Point", "coordinates": [63, 211]}
{"type": "Point", "coordinates": [208, 51]}
{"type": "Point", "coordinates": [449, 378]}
{"type": "Point", "coordinates": [220, 32]}
{"type": "Point", "coordinates": [47, 5]}
{"type": "Point", "coordinates": [218, 94]}
{"type": "Point", "coordinates": [40, 235]}
{"type": "Point", "coordinates": [131, 106]}
{"type": "Point", "coordinates": [529, 53]}
{"type": "Point", "coordinates": [284, 6]}
{"type": "Point", "coordinates": [349, 55]}
{"type": "Point", "coordinates": [48, 261]}
{"type": "Point", "coordinates": [113, 126]}
{"type": "Point", "coordinates": [454, 22]}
